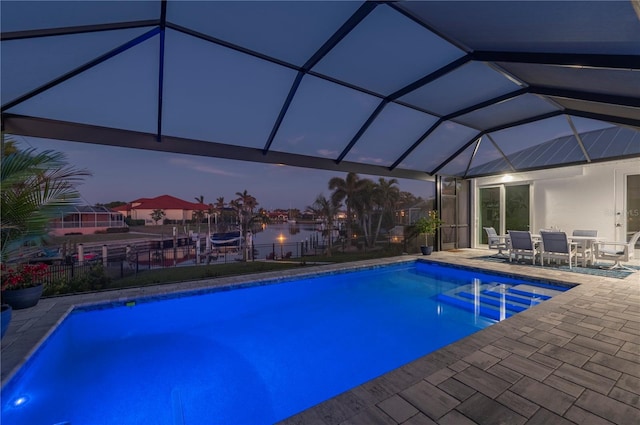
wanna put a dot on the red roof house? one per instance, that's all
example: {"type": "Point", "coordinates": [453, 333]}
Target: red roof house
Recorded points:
{"type": "Point", "coordinates": [174, 208]}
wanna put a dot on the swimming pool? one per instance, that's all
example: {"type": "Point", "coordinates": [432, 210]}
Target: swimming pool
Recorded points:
{"type": "Point", "coordinates": [254, 355]}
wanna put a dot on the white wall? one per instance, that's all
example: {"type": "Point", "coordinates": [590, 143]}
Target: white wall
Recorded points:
{"type": "Point", "coordinates": [579, 197]}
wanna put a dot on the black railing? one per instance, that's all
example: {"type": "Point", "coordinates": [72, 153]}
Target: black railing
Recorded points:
{"type": "Point", "coordinates": [95, 270]}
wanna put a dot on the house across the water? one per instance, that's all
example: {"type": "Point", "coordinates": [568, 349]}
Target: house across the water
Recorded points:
{"type": "Point", "coordinates": [85, 220]}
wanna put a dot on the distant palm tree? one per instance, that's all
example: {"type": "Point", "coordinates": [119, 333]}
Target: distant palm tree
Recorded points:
{"type": "Point", "coordinates": [211, 210]}
{"type": "Point", "coordinates": [327, 209]}
{"type": "Point", "coordinates": [157, 215]}
{"type": "Point", "coordinates": [198, 215]}
{"type": "Point", "coordinates": [220, 204]}
{"type": "Point", "coordinates": [241, 204]}
{"type": "Point", "coordinates": [347, 190]}
{"type": "Point", "coordinates": [246, 204]}
{"type": "Point", "coordinates": [33, 188]}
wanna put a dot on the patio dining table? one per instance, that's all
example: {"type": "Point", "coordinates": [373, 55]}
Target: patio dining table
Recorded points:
{"type": "Point", "coordinates": [584, 244]}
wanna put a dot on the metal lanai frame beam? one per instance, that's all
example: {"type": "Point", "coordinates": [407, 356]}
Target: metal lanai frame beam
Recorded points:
{"type": "Point", "coordinates": [407, 89]}
{"type": "Point", "coordinates": [81, 69]}
{"type": "Point", "coordinates": [163, 27]}
{"type": "Point", "coordinates": [357, 17]}
{"type": "Point", "coordinates": [75, 132]}
{"type": "Point", "coordinates": [566, 59]}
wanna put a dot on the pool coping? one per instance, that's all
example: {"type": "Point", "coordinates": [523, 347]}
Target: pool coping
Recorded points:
{"type": "Point", "coordinates": [445, 374]}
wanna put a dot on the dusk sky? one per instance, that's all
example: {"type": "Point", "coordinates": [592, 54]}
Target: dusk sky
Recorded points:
{"type": "Point", "coordinates": [122, 174]}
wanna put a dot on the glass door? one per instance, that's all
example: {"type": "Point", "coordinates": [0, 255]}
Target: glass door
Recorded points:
{"type": "Point", "coordinates": [489, 211]}
{"type": "Point", "coordinates": [504, 208]}
{"type": "Point", "coordinates": [516, 207]}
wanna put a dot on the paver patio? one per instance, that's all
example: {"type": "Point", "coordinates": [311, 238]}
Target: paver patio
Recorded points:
{"type": "Point", "coordinates": [572, 359]}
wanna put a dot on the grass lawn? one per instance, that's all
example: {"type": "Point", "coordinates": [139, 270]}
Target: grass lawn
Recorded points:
{"type": "Point", "coordinates": [181, 274]}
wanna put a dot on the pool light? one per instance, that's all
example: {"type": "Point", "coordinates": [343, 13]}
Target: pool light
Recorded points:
{"type": "Point", "coordinates": [20, 401]}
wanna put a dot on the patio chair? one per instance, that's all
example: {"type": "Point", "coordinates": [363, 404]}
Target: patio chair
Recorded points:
{"type": "Point", "coordinates": [585, 248]}
{"type": "Point", "coordinates": [495, 241]}
{"type": "Point", "coordinates": [522, 245]}
{"type": "Point", "coordinates": [617, 251]}
{"type": "Point", "coordinates": [556, 245]}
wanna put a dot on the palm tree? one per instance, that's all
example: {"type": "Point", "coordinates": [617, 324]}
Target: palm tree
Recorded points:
{"type": "Point", "coordinates": [211, 210]}
{"type": "Point", "coordinates": [364, 206]}
{"type": "Point", "coordinates": [346, 189]}
{"type": "Point", "coordinates": [386, 196]}
{"type": "Point", "coordinates": [219, 209]}
{"type": "Point", "coordinates": [326, 208]}
{"type": "Point", "coordinates": [198, 215]}
{"type": "Point", "coordinates": [157, 215]}
{"type": "Point", "coordinates": [33, 187]}
{"type": "Point", "coordinates": [245, 205]}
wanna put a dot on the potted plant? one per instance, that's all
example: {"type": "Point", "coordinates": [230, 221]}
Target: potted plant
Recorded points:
{"type": "Point", "coordinates": [22, 285]}
{"type": "Point", "coordinates": [428, 225]}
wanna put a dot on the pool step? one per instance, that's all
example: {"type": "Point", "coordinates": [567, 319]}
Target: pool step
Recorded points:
{"type": "Point", "coordinates": [497, 301]}
{"type": "Point", "coordinates": [518, 299]}
{"type": "Point", "coordinates": [517, 308]}
{"type": "Point", "coordinates": [484, 310]}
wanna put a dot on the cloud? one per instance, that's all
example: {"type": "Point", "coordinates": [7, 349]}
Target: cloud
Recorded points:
{"type": "Point", "coordinates": [295, 140]}
{"type": "Point", "coordinates": [200, 167]}
{"type": "Point", "coordinates": [327, 152]}
{"type": "Point", "coordinates": [369, 159]}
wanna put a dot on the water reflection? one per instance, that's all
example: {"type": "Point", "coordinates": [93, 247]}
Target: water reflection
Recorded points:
{"type": "Point", "coordinates": [279, 239]}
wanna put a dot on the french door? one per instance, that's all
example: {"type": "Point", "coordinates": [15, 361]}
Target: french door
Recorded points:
{"type": "Point", "coordinates": [503, 207]}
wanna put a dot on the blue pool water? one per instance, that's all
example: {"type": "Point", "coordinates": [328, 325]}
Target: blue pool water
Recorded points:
{"type": "Point", "coordinates": [254, 355]}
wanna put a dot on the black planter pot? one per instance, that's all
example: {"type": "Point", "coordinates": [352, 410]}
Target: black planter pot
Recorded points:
{"type": "Point", "coordinates": [22, 298]}
{"type": "Point", "coordinates": [5, 319]}
{"type": "Point", "coordinates": [426, 250]}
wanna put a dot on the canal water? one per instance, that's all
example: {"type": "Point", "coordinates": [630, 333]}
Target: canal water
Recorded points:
{"type": "Point", "coordinates": [280, 238]}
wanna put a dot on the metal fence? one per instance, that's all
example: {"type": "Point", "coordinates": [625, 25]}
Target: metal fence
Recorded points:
{"type": "Point", "coordinates": [114, 262]}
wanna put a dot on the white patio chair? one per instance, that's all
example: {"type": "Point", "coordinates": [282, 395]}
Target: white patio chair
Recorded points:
{"type": "Point", "coordinates": [522, 245]}
{"type": "Point", "coordinates": [617, 251]}
{"type": "Point", "coordinates": [495, 241]}
{"type": "Point", "coordinates": [556, 245]}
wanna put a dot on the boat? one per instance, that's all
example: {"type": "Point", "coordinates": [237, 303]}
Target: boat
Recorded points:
{"type": "Point", "coordinates": [226, 238]}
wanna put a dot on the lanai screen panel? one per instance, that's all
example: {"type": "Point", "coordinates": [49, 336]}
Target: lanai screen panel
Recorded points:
{"type": "Point", "coordinates": [400, 89]}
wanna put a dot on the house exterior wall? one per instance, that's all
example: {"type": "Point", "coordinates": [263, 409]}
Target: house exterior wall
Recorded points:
{"type": "Point", "coordinates": [579, 197]}
{"type": "Point", "coordinates": [171, 214]}
{"type": "Point", "coordinates": [85, 223]}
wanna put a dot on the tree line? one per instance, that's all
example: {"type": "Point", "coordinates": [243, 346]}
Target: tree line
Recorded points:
{"type": "Point", "coordinates": [370, 207]}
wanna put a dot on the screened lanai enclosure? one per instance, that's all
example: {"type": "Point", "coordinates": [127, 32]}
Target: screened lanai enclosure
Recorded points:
{"type": "Point", "coordinates": [446, 91]}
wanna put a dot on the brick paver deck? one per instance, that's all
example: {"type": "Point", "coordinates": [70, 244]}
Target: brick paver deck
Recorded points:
{"type": "Point", "coordinates": [572, 359]}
